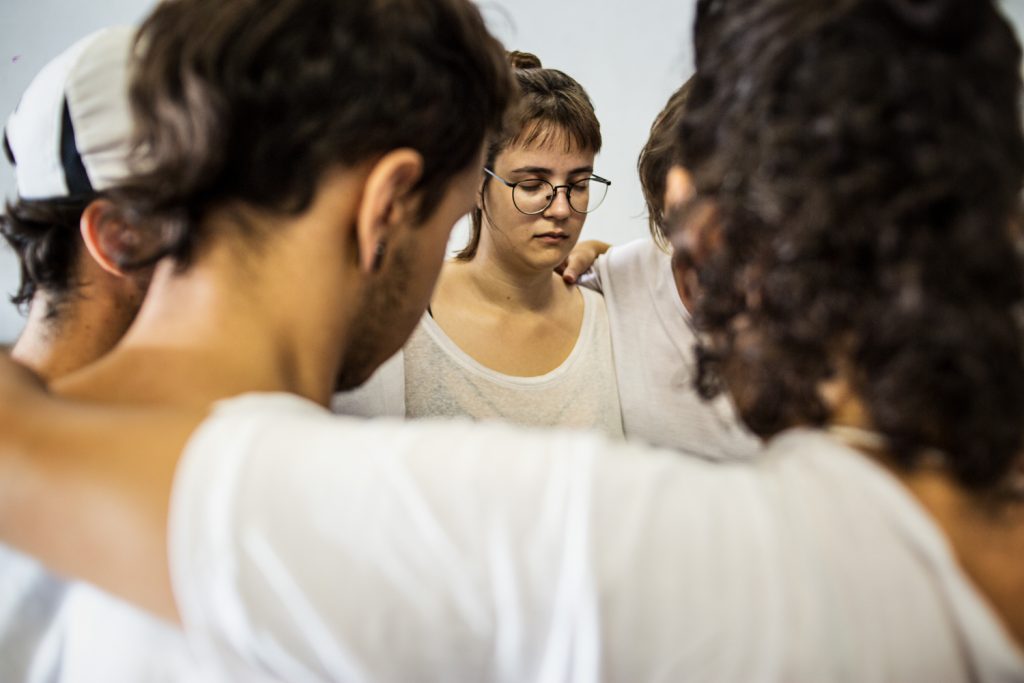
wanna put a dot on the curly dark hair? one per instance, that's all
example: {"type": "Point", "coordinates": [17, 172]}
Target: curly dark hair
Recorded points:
{"type": "Point", "coordinates": [44, 236]}
{"type": "Point", "coordinates": [865, 158]}
{"type": "Point", "coordinates": [253, 100]}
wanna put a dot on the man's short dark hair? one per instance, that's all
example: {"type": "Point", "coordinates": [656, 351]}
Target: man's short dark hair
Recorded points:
{"type": "Point", "coordinates": [251, 101]}
{"type": "Point", "coordinates": [866, 159]}
{"type": "Point", "coordinates": [44, 235]}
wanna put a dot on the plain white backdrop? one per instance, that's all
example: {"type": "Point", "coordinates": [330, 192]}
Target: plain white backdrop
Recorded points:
{"type": "Point", "coordinates": [629, 56]}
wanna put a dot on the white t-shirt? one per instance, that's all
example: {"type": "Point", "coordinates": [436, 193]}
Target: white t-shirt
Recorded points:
{"type": "Point", "coordinates": [322, 548]}
{"type": "Point", "coordinates": [433, 377]}
{"type": "Point", "coordinates": [652, 342]}
{"type": "Point", "coordinates": [55, 631]}
{"type": "Point", "coordinates": [30, 603]}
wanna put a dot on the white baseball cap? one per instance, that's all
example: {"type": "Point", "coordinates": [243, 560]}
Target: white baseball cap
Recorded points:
{"type": "Point", "coordinates": [70, 134]}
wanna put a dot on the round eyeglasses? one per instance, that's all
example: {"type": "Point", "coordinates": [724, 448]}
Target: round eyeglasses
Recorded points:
{"type": "Point", "coordinates": [535, 195]}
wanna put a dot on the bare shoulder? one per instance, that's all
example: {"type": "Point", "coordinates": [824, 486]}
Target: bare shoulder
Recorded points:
{"type": "Point", "coordinates": [22, 396]}
{"type": "Point", "coordinates": [451, 283]}
{"type": "Point", "coordinates": [569, 296]}
{"type": "Point", "coordinates": [88, 429]}
{"type": "Point", "coordinates": [570, 309]}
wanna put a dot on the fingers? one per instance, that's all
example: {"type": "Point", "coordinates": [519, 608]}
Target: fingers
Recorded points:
{"type": "Point", "coordinates": [577, 263]}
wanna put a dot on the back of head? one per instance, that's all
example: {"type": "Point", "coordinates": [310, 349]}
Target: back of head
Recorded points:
{"type": "Point", "coordinates": [866, 159]}
{"type": "Point", "coordinates": [552, 107]}
{"type": "Point", "coordinates": [251, 101]}
{"type": "Point", "coordinates": [69, 140]}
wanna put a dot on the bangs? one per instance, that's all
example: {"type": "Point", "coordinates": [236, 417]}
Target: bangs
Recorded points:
{"type": "Point", "coordinates": [555, 135]}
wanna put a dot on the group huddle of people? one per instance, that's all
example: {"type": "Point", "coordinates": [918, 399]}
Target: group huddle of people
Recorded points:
{"type": "Point", "coordinates": [257, 427]}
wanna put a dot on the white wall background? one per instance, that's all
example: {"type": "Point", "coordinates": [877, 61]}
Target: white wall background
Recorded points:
{"type": "Point", "coordinates": [629, 56]}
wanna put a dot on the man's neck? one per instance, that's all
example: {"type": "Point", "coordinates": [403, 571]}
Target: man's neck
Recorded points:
{"type": "Point", "coordinates": [59, 340]}
{"type": "Point", "coordinates": [235, 322]}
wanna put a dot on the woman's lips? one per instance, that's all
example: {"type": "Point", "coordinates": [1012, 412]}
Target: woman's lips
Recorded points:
{"type": "Point", "coordinates": [551, 237]}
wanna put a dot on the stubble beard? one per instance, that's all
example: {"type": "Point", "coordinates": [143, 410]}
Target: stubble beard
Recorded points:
{"type": "Point", "coordinates": [374, 325]}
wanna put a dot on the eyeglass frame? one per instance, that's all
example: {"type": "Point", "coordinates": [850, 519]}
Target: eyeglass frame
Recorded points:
{"type": "Point", "coordinates": [554, 192]}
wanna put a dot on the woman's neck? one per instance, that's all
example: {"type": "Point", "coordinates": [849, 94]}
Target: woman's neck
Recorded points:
{"type": "Point", "coordinates": [502, 285]}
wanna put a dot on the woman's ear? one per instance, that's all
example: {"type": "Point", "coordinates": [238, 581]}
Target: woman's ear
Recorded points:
{"type": "Point", "coordinates": [480, 191]}
{"type": "Point", "coordinates": [387, 204]}
{"type": "Point", "coordinates": [108, 237]}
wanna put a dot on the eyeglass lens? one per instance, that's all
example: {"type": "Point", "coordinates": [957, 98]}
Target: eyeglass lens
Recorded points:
{"type": "Point", "coordinates": [536, 195]}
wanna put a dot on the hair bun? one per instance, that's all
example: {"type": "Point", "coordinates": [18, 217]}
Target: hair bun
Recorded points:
{"type": "Point", "coordinates": [523, 60]}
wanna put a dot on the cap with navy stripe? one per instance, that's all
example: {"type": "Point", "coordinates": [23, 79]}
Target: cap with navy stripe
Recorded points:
{"type": "Point", "coordinates": [71, 133]}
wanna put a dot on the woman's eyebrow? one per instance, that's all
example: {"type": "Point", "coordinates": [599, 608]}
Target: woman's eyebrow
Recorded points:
{"type": "Point", "coordinates": [532, 169]}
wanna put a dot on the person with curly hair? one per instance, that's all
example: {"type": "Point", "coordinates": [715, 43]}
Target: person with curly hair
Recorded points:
{"type": "Point", "coordinates": [867, 251]}
{"type": "Point", "coordinates": [857, 167]}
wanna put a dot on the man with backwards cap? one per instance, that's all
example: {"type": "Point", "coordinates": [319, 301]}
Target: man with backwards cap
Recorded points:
{"type": "Point", "coordinates": [69, 140]}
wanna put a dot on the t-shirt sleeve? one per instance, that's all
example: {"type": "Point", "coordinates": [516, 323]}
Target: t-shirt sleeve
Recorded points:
{"type": "Point", "coordinates": [622, 266]}
{"type": "Point", "coordinates": [383, 395]}
{"type": "Point", "coordinates": [592, 278]}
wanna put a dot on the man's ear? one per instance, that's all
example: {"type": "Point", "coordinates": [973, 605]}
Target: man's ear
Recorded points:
{"type": "Point", "coordinates": [386, 203]}
{"type": "Point", "coordinates": [107, 235]}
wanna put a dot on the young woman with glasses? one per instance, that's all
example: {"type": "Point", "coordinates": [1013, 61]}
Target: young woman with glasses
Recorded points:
{"type": "Point", "coordinates": [505, 337]}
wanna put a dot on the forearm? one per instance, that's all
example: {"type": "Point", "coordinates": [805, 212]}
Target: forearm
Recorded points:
{"type": "Point", "coordinates": [86, 490]}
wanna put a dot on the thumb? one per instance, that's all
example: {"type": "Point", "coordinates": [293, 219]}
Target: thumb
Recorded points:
{"type": "Point", "coordinates": [577, 263]}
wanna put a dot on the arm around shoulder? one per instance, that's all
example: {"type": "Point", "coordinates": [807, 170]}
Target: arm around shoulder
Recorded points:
{"type": "Point", "coordinates": [85, 488]}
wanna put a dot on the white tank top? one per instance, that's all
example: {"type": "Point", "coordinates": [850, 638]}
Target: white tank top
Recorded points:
{"type": "Point", "coordinates": [442, 380]}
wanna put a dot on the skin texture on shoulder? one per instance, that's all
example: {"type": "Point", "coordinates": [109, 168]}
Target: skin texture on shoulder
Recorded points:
{"type": "Point", "coordinates": [106, 473]}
